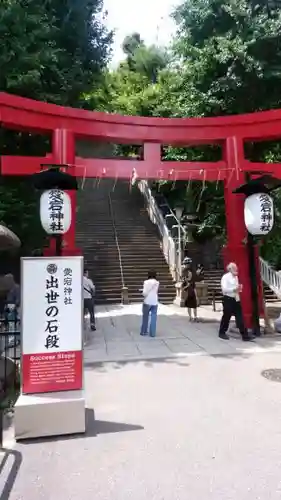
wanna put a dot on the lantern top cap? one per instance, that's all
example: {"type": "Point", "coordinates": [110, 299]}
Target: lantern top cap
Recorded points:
{"type": "Point", "coordinates": [54, 178]}
{"type": "Point", "coordinates": [264, 184]}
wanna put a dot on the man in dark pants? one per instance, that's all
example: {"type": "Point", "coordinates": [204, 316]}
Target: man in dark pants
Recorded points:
{"type": "Point", "coordinates": [89, 298]}
{"type": "Point", "coordinates": [231, 303]}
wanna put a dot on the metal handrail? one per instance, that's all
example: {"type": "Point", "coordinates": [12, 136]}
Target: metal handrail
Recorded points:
{"type": "Point", "coordinates": [270, 277]}
{"type": "Point", "coordinates": [157, 218]}
{"type": "Point", "coordinates": [116, 241]}
{"type": "Point", "coordinates": [172, 214]}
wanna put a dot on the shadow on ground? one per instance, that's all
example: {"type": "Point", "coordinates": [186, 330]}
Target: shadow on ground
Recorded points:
{"type": "Point", "coordinates": [94, 428]}
{"type": "Point", "coordinates": [102, 366]}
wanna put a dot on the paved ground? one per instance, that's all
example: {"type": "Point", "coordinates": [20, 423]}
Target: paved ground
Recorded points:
{"type": "Point", "coordinates": [117, 337]}
{"type": "Point", "coordinates": [199, 424]}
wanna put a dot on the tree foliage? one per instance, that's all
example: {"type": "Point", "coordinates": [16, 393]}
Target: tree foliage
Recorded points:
{"type": "Point", "coordinates": [54, 51]}
{"type": "Point", "coordinates": [225, 59]}
{"type": "Point", "coordinates": [230, 56]}
{"type": "Point", "coordinates": [145, 60]}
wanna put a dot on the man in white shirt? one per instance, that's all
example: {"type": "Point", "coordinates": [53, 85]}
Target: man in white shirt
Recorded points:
{"type": "Point", "coordinates": [231, 303]}
{"type": "Point", "coordinates": [89, 300]}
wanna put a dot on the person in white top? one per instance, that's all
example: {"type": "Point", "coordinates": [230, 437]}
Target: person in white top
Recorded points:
{"type": "Point", "coordinates": [231, 290]}
{"type": "Point", "coordinates": [150, 304]}
{"type": "Point", "coordinates": [89, 298]}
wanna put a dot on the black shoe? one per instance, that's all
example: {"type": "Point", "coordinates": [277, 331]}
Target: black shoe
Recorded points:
{"type": "Point", "coordinates": [93, 328]}
{"type": "Point", "coordinates": [248, 339]}
{"type": "Point", "coordinates": [223, 336]}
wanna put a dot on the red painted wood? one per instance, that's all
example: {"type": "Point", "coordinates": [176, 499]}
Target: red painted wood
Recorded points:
{"type": "Point", "coordinates": [27, 114]}
{"type": "Point", "coordinates": [63, 146]}
{"type": "Point", "coordinates": [236, 249]}
{"type": "Point", "coordinates": [229, 131]}
{"type": "Point", "coordinates": [23, 165]}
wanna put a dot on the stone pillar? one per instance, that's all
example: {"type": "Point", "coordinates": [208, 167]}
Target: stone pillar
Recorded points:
{"type": "Point", "coordinates": [202, 293]}
{"type": "Point", "coordinates": [125, 295]}
{"type": "Point", "coordinates": [180, 295]}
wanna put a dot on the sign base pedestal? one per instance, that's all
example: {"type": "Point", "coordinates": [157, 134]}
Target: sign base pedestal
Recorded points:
{"type": "Point", "coordinates": [49, 414]}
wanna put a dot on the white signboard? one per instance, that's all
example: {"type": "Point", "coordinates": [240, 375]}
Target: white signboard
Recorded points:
{"type": "Point", "coordinates": [52, 321]}
{"type": "Point", "coordinates": [259, 214]}
{"type": "Point", "coordinates": [55, 211]}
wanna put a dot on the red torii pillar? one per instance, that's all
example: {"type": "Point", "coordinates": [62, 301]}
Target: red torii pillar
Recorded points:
{"type": "Point", "coordinates": [236, 247]}
{"type": "Point", "coordinates": [63, 152]}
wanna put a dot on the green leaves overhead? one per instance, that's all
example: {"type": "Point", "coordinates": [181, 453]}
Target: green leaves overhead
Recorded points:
{"type": "Point", "coordinates": [225, 59]}
{"type": "Point", "coordinates": [51, 50]}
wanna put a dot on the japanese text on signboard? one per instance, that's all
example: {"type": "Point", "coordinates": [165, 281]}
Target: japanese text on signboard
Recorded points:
{"type": "Point", "coordinates": [52, 308]}
{"type": "Point", "coordinates": [67, 282]}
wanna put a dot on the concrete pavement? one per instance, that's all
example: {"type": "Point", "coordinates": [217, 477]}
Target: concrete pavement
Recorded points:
{"type": "Point", "coordinates": [117, 337]}
{"type": "Point", "coordinates": [198, 424]}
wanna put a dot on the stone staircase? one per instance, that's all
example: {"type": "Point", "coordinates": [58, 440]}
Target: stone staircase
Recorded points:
{"type": "Point", "coordinates": [95, 235]}
{"type": "Point", "coordinates": [213, 278]}
{"type": "Point", "coordinates": [111, 216]}
{"type": "Point", "coordinates": [210, 257]}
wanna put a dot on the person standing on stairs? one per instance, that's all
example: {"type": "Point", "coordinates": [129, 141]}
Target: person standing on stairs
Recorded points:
{"type": "Point", "coordinates": [150, 304]}
{"type": "Point", "coordinates": [89, 298]}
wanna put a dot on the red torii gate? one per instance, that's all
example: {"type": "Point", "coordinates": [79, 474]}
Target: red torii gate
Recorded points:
{"type": "Point", "coordinates": [68, 124]}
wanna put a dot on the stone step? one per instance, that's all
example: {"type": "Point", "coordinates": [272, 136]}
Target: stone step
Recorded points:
{"type": "Point", "coordinates": [137, 237]}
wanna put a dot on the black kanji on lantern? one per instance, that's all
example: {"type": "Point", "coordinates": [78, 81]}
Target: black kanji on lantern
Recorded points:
{"type": "Point", "coordinates": [56, 210]}
{"type": "Point", "coordinates": [266, 212]}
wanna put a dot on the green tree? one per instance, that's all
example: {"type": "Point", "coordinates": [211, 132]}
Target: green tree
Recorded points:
{"type": "Point", "coordinates": [143, 59]}
{"type": "Point", "coordinates": [226, 61]}
{"type": "Point", "coordinates": [131, 43]}
{"type": "Point", "coordinates": [231, 56]}
{"type": "Point", "coordinates": [149, 61]}
{"type": "Point", "coordinates": [135, 86]}
{"type": "Point", "coordinates": [51, 51]}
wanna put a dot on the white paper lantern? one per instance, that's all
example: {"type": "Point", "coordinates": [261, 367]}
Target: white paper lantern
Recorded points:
{"type": "Point", "coordinates": [259, 214]}
{"type": "Point", "coordinates": [55, 211]}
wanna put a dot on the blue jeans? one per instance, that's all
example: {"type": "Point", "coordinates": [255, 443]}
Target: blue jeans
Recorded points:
{"type": "Point", "coordinates": [146, 310]}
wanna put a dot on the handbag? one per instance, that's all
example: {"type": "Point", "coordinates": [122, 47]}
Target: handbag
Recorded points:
{"type": "Point", "coordinates": [91, 292]}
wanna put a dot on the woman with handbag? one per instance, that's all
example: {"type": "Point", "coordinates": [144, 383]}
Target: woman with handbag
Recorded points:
{"type": "Point", "coordinates": [150, 304]}
{"type": "Point", "coordinates": [191, 301]}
